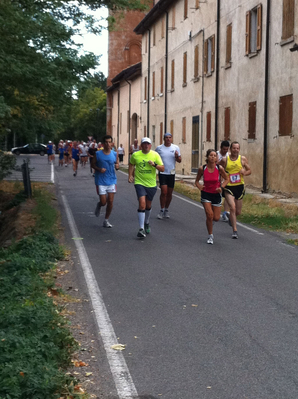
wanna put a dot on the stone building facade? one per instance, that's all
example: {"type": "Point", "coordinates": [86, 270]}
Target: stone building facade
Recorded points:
{"type": "Point", "coordinates": [223, 70]}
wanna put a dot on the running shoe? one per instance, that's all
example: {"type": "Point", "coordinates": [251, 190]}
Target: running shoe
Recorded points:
{"type": "Point", "coordinates": [210, 239]}
{"type": "Point", "coordinates": [225, 216]}
{"type": "Point", "coordinates": [141, 233]}
{"type": "Point", "coordinates": [97, 209]}
{"type": "Point", "coordinates": [161, 214]}
{"type": "Point", "coordinates": [75, 173]}
{"type": "Point", "coordinates": [106, 223]}
{"type": "Point", "coordinates": [166, 214]}
{"type": "Point", "coordinates": [147, 228]}
{"type": "Point", "coordinates": [235, 235]}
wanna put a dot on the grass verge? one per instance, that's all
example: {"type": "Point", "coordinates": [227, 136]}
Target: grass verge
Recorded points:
{"type": "Point", "coordinates": [36, 345]}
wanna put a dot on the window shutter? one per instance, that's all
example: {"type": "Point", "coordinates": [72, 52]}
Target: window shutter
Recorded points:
{"type": "Point", "coordinates": [185, 9]}
{"type": "Point", "coordinates": [184, 130]}
{"type": "Point", "coordinates": [162, 28]}
{"type": "Point", "coordinates": [196, 62]}
{"type": "Point", "coordinates": [259, 27]}
{"type": "Point", "coordinates": [161, 80]}
{"type": "Point", "coordinates": [146, 42]}
{"type": "Point", "coordinates": [229, 44]}
{"type": "Point", "coordinates": [252, 114]}
{"type": "Point", "coordinates": [288, 19]}
{"type": "Point", "coordinates": [173, 75]}
{"type": "Point", "coordinates": [285, 115]}
{"type": "Point", "coordinates": [172, 128]}
{"type": "Point", "coordinates": [213, 53]}
{"type": "Point", "coordinates": [128, 122]}
{"type": "Point", "coordinates": [208, 125]}
{"type": "Point", "coordinates": [153, 84]}
{"type": "Point", "coordinates": [184, 68]}
{"type": "Point", "coordinates": [227, 123]}
{"type": "Point", "coordinates": [154, 35]}
{"type": "Point", "coordinates": [145, 88]}
{"type": "Point", "coordinates": [247, 33]}
{"type": "Point", "coordinates": [197, 4]}
{"type": "Point", "coordinates": [173, 17]}
{"type": "Point", "coordinates": [206, 56]}
{"type": "Point", "coordinates": [160, 132]}
{"type": "Point", "coordinates": [145, 131]}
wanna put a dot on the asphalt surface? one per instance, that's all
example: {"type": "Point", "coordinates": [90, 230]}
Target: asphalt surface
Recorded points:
{"type": "Point", "coordinates": [40, 170]}
{"type": "Point", "coordinates": [198, 321]}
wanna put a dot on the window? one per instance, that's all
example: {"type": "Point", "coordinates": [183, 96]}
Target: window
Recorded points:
{"type": "Point", "coordinates": [160, 132]}
{"type": "Point", "coordinates": [208, 126]}
{"type": "Point", "coordinates": [288, 18]}
{"type": "Point", "coordinates": [185, 9]}
{"type": "Point", "coordinates": [184, 130]}
{"type": "Point", "coordinates": [196, 63]}
{"type": "Point", "coordinates": [162, 28]}
{"type": "Point", "coordinates": [227, 123]}
{"type": "Point", "coordinates": [209, 55]}
{"type": "Point", "coordinates": [173, 17]}
{"type": "Point", "coordinates": [172, 128]}
{"type": "Point", "coordinates": [173, 75]}
{"type": "Point", "coordinates": [145, 88]}
{"type": "Point", "coordinates": [153, 85]}
{"type": "Point", "coordinates": [252, 117]}
{"type": "Point", "coordinates": [229, 45]}
{"type": "Point", "coordinates": [253, 32]}
{"type": "Point", "coordinates": [184, 69]}
{"type": "Point", "coordinates": [285, 115]}
{"type": "Point", "coordinates": [161, 80]}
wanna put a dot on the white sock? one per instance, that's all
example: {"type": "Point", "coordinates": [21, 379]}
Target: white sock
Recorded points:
{"type": "Point", "coordinates": [147, 215]}
{"type": "Point", "coordinates": [141, 216]}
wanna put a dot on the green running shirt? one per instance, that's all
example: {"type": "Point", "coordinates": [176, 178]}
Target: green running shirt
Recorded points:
{"type": "Point", "coordinates": [144, 173]}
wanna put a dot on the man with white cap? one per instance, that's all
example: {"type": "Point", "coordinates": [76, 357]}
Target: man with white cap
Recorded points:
{"type": "Point", "coordinates": [170, 154]}
{"type": "Point", "coordinates": [142, 171]}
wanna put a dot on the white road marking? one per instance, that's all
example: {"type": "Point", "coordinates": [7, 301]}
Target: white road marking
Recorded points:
{"type": "Point", "coordinates": [201, 207]}
{"type": "Point", "coordinates": [52, 173]}
{"type": "Point", "coordinates": [122, 378]}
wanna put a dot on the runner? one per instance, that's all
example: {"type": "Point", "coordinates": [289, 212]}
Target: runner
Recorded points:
{"type": "Point", "coordinates": [75, 152]}
{"type": "Point", "coordinates": [83, 153]}
{"type": "Point", "coordinates": [224, 149]}
{"type": "Point", "coordinates": [211, 190]}
{"type": "Point", "coordinates": [61, 154]}
{"type": "Point", "coordinates": [50, 151]}
{"type": "Point", "coordinates": [105, 162]}
{"type": "Point", "coordinates": [142, 171]}
{"type": "Point", "coordinates": [66, 152]}
{"type": "Point", "coordinates": [121, 154]}
{"type": "Point", "coordinates": [134, 147]}
{"type": "Point", "coordinates": [91, 153]}
{"type": "Point", "coordinates": [170, 154]}
{"type": "Point", "coordinates": [236, 167]}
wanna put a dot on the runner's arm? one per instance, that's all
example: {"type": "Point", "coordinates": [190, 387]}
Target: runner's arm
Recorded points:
{"type": "Point", "coordinates": [199, 175]}
{"type": "Point", "coordinates": [246, 170]}
{"type": "Point", "coordinates": [224, 177]}
{"type": "Point", "coordinates": [131, 173]}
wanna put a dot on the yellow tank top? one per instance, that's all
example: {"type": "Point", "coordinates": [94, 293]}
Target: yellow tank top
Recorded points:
{"type": "Point", "coordinates": [233, 168]}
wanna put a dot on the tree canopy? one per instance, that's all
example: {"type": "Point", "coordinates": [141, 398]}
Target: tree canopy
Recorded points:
{"type": "Point", "coordinates": [40, 65]}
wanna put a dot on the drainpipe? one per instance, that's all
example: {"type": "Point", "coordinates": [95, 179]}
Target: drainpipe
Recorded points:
{"type": "Point", "coordinates": [265, 146]}
{"type": "Point", "coordinates": [118, 122]}
{"type": "Point", "coordinates": [202, 100]}
{"type": "Point", "coordinates": [129, 118]}
{"type": "Point", "coordinates": [148, 83]}
{"type": "Point", "coordinates": [217, 73]}
{"type": "Point", "coordinates": [166, 72]}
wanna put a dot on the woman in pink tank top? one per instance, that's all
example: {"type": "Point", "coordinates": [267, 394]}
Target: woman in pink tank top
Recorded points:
{"type": "Point", "coordinates": [211, 190]}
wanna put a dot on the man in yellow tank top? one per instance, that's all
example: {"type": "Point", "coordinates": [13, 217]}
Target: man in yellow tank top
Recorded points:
{"type": "Point", "coordinates": [236, 166]}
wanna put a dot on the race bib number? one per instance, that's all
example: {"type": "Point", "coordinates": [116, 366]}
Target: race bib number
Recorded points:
{"type": "Point", "coordinates": [235, 178]}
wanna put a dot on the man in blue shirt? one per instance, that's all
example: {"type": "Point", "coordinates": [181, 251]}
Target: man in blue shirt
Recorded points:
{"type": "Point", "coordinates": [104, 163]}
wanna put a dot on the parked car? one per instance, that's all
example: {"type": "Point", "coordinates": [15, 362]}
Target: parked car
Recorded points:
{"type": "Point", "coordinates": [30, 149]}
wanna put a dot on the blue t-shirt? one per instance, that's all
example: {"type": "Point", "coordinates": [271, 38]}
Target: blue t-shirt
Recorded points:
{"type": "Point", "coordinates": [108, 162]}
{"type": "Point", "coordinates": [75, 154]}
{"type": "Point", "coordinates": [61, 153]}
{"type": "Point", "coordinates": [50, 149]}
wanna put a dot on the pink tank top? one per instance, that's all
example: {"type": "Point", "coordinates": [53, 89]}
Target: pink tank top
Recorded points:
{"type": "Point", "coordinates": [211, 180]}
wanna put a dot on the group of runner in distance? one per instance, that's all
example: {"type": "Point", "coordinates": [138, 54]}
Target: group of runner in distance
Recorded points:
{"type": "Point", "coordinates": [222, 176]}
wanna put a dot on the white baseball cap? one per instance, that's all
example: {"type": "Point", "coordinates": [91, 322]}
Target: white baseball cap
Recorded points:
{"type": "Point", "coordinates": [146, 140]}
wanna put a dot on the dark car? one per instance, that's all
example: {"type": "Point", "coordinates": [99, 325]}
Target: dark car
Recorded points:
{"type": "Point", "coordinates": [30, 149]}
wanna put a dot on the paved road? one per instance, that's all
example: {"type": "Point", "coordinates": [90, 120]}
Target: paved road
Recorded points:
{"type": "Point", "coordinates": [40, 170]}
{"type": "Point", "coordinates": [199, 321]}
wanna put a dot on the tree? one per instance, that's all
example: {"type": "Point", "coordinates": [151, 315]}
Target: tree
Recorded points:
{"type": "Point", "coordinates": [39, 62]}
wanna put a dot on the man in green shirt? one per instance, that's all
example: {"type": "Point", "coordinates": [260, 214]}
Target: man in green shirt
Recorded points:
{"type": "Point", "coordinates": [142, 171]}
